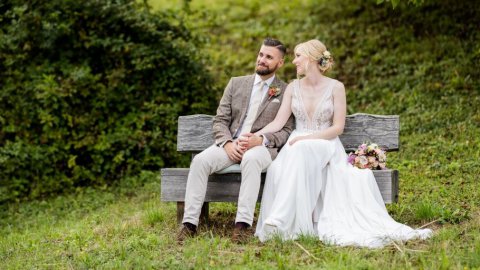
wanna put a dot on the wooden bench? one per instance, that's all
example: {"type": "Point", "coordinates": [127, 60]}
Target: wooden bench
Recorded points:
{"type": "Point", "coordinates": [195, 134]}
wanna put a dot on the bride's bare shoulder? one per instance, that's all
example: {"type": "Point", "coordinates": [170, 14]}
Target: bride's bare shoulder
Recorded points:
{"type": "Point", "coordinates": [338, 85]}
{"type": "Point", "coordinates": [289, 89]}
{"type": "Point", "coordinates": [338, 89]}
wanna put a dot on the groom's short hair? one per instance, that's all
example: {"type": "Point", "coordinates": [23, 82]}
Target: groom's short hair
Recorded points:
{"type": "Point", "coordinates": [275, 43]}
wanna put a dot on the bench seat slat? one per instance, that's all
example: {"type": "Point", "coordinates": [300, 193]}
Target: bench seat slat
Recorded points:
{"type": "Point", "coordinates": [225, 187]}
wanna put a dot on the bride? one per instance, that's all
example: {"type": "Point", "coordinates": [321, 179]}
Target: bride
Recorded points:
{"type": "Point", "coordinates": [310, 188]}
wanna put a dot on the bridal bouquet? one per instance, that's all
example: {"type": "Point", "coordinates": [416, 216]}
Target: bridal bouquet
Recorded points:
{"type": "Point", "coordinates": [368, 156]}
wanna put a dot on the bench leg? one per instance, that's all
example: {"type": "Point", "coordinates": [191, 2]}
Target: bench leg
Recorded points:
{"type": "Point", "coordinates": [180, 208]}
{"type": "Point", "coordinates": [203, 213]}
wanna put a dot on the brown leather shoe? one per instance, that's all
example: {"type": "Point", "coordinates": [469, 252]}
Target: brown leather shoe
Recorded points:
{"type": "Point", "coordinates": [185, 233]}
{"type": "Point", "coordinates": [240, 235]}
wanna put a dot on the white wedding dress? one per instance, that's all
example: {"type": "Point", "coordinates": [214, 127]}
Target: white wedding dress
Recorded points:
{"type": "Point", "coordinates": [311, 189]}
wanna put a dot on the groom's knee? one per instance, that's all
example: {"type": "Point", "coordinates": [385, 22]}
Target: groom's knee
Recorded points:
{"type": "Point", "coordinates": [254, 158]}
{"type": "Point", "coordinates": [249, 159]}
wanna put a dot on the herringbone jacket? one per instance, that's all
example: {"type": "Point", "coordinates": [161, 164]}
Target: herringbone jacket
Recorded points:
{"type": "Point", "coordinates": [233, 109]}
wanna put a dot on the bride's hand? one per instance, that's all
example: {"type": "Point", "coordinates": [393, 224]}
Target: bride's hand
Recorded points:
{"type": "Point", "coordinates": [296, 139]}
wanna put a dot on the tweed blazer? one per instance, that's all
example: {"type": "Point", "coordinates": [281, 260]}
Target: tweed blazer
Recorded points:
{"type": "Point", "coordinates": [233, 109]}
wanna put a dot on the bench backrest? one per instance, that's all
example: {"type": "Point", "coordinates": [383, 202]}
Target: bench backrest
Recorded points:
{"type": "Point", "coordinates": [195, 132]}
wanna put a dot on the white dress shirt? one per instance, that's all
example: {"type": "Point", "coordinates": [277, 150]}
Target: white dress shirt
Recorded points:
{"type": "Point", "coordinates": [256, 87]}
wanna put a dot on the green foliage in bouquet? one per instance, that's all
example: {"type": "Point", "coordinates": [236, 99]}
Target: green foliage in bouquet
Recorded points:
{"type": "Point", "coordinates": [90, 92]}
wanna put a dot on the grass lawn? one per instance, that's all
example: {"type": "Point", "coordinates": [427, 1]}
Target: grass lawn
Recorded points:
{"type": "Point", "coordinates": [128, 227]}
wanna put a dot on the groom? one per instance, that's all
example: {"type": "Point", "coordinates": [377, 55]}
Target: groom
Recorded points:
{"type": "Point", "coordinates": [248, 104]}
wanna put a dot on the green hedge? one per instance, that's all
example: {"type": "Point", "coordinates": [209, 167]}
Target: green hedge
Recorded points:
{"type": "Point", "coordinates": [90, 92]}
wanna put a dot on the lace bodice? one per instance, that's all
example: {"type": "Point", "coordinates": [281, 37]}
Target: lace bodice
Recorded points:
{"type": "Point", "coordinates": [323, 114]}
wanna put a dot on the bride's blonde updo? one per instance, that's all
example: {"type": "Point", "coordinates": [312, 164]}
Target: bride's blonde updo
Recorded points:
{"type": "Point", "coordinates": [316, 51]}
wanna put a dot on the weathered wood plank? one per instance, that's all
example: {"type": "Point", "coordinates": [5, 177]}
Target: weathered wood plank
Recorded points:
{"type": "Point", "coordinates": [220, 187]}
{"type": "Point", "coordinates": [380, 129]}
{"type": "Point", "coordinates": [195, 131]}
{"type": "Point", "coordinates": [225, 187]}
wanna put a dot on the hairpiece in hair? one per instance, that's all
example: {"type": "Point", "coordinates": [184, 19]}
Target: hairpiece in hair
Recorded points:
{"type": "Point", "coordinates": [326, 56]}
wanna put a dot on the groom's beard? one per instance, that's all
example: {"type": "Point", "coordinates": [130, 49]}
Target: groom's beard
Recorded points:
{"type": "Point", "coordinates": [266, 71]}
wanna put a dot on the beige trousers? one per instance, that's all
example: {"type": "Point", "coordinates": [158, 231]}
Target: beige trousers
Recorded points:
{"type": "Point", "coordinates": [214, 159]}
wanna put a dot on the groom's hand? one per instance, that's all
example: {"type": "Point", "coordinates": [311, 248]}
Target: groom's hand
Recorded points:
{"type": "Point", "coordinates": [249, 140]}
{"type": "Point", "coordinates": [234, 151]}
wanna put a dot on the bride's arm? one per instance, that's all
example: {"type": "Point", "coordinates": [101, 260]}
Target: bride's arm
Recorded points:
{"type": "Point", "coordinates": [339, 114]}
{"type": "Point", "coordinates": [283, 114]}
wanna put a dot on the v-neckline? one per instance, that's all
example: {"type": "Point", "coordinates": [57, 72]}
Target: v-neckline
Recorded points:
{"type": "Point", "coordinates": [316, 106]}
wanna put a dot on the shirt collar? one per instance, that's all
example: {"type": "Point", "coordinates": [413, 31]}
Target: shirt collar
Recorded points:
{"type": "Point", "coordinates": [258, 79]}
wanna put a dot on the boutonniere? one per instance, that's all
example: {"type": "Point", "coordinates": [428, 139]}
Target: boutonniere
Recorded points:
{"type": "Point", "coordinates": [273, 91]}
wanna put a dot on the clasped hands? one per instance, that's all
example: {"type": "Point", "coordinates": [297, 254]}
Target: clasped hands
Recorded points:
{"type": "Point", "coordinates": [235, 149]}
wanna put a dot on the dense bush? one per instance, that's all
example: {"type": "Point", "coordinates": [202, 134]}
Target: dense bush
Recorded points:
{"type": "Point", "coordinates": [90, 91]}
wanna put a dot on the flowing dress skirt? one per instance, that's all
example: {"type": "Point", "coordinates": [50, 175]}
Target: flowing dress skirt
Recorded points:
{"type": "Point", "coordinates": [311, 189]}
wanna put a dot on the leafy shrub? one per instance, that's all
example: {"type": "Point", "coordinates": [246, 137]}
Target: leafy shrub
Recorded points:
{"type": "Point", "coordinates": [90, 92]}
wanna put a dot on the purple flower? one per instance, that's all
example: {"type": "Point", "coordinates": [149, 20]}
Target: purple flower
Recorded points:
{"type": "Point", "coordinates": [351, 158]}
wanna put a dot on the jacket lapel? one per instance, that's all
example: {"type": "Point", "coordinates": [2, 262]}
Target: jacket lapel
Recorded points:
{"type": "Point", "coordinates": [246, 90]}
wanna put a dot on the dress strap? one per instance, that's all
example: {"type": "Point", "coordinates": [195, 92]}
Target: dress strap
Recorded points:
{"type": "Point", "coordinates": [296, 87]}
{"type": "Point", "coordinates": [330, 88]}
